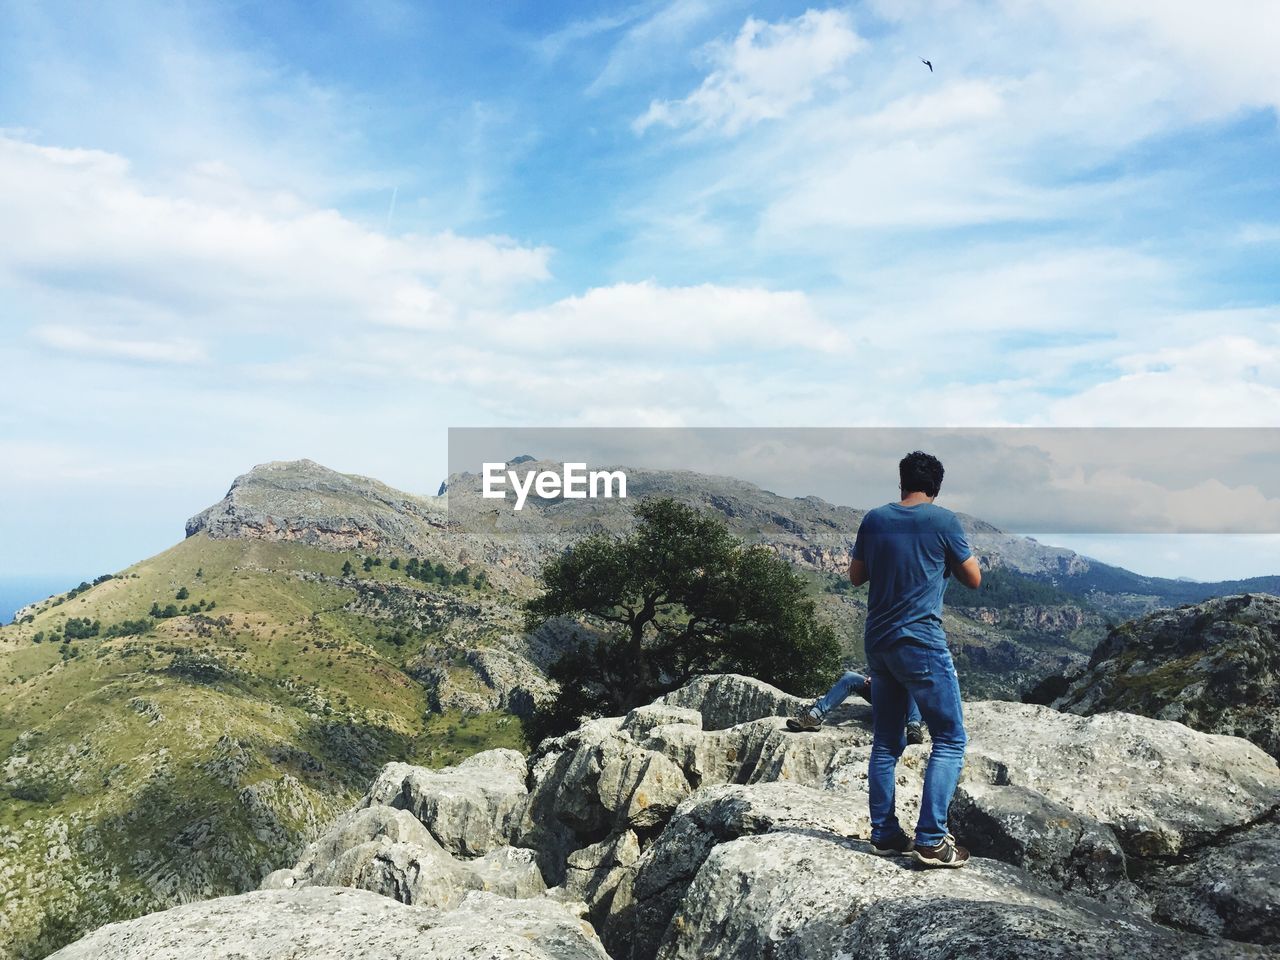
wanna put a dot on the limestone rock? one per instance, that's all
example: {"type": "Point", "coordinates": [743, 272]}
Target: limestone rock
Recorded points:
{"type": "Point", "coordinates": [326, 923]}
{"type": "Point", "coordinates": [305, 502]}
{"type": "Point", "coordinates": [360, 826]}
{"type": "Point", "coordinates": [1047, 839]}
{"type": "Point", "coordinates": [593, 782]}
{"type": "Point", "coordinates": [594, 873]}
{"type": "Point", "coordinates": [914, 929]}
{"type": "Point", "coordinates": [708, 756]}
{"type": "Point", "coordinates": [1109, 836]}
{"type": "Point", "coordinates": [641, 720]}
{"type": "Point", "coordinates": [470, 808]}
{"type": "Point", "coordinates": [1159, 786]}
{"type": "Point", "coordinates": [1230, 890]}
{"type": "Point", "coordinates": [385, 851]}
{"type": "Point", "coordinates": [641, 787]}
{"type": "Point", "coordinates": [726, 699]}
{"type": "Point", "coordinates": [390, 852]}
{"type": "Point", "coordinates": [1214, 666]}
{"type": "Point", "coordinates": [509, 872]}
{"type": "Point", "coordinates": [794, 895]}
{"type": "Point", "coordinates": [487, 925]}
{"type": "Point", "coordinates": [715, 815]}
{"type": "Point", "coordinates": [279, 879]}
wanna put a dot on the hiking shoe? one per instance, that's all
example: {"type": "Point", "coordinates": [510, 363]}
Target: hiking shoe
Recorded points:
{"type": "Point", "coordinates": [915, 733]}
{"type": "Point", "coordinates": [804, 722]}
{"type": "Point", "coordinates": [901, 844]}
{"type": "Point", "coordinates": [946, 854]}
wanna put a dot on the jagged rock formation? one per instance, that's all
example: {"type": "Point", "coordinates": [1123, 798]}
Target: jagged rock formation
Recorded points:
{"type": "Point", "coordinates": [428, 836]}
{"type": "Point", "coordinates": [303, 501]}
{"type": "Point", "coordinates": [470, 809]}
{"type": "Point", "coordinates": [1113, 836]}
{"type": "Point", "coordinates": [1228, 890]}
{"type": "Point", "coordinates": [1214, 666]}
{"type": "Point", "coordinates": [326, 923]}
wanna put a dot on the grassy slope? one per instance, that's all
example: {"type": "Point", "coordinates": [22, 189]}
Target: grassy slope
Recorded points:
{"type": "Point", "coordinates": [188, 761]}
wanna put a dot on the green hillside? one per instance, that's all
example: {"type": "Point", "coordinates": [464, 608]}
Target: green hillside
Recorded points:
{"type": "Point", "coordinates": [155, 759]}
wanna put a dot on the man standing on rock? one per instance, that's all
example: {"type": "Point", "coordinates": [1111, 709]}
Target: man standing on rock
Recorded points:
{"type": "Point", "coordinates": [906, 550]}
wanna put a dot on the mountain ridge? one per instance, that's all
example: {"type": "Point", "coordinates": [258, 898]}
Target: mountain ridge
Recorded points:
{"type": "Point", "coordinates": [1025, 554]}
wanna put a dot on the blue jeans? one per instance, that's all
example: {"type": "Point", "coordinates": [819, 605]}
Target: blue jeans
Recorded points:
{"type": "Point", "coordinates": [848, 685]}
{"type": "Point", "coordinates": [904, 670]}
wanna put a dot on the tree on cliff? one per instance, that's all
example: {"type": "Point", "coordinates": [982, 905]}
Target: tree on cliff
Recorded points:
{"type": "Point", "coordinates": [677, 597]}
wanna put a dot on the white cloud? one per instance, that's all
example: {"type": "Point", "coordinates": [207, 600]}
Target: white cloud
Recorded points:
{"type": "Point", "coordinates": [97, 344]}
{"type": "Point", "coordinates": [552, 45]}
{"type": "Point", "coordinates": [1251, 233]}
{"type": "Point", "coordinates": [1225, 380]}
{"type": "Point", "coordinates": [83, 233]}
{"type": "Point", "coordinates": [648, 43]}
{"type": "Point", "coordinates": [1222, 55]}
{"type": "Point", "coordinates": [960, 103]}
{"type": "Point", "coordinates": [1012, 128]}
{"type": "Point", "coordinates": [768, 70]}
{"type": "Point", "coordinates": [649, 318]}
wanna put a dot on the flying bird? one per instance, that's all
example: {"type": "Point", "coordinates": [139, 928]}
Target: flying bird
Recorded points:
{"type": "Point", "coordinates": [927, 64]}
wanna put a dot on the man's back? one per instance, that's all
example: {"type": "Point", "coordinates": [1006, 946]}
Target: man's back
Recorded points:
{"type": "Point", "coordinates": [907, 551]}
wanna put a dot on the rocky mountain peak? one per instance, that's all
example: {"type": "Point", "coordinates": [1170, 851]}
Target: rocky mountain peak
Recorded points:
{"type": "Point", "coordinates": [1214, 666]}
{"type": "Point", "coordinates": [303, 501]}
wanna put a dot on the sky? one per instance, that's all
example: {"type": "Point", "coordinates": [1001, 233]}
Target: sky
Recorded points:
{"type": "Point", "coordinates": [234, 233]}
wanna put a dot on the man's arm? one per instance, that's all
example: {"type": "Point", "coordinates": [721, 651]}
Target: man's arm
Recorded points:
{"type": "Point", "coordinates": [966, 571]}
{"type": "Point", "coordinates": [857, 572]}
{"type": "Point", "coordinates": [969, 573]}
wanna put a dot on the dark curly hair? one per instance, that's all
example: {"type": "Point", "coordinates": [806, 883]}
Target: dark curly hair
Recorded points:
{"type": "Point", "coordinates": [920, 472]}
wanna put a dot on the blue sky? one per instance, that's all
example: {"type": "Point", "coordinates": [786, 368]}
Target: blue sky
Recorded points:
{"type": "Point", "coordinates": [231, 233]}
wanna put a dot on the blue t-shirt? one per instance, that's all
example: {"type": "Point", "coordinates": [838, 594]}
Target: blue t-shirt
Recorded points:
{"type": "Point", "coordinates": [906, 551]}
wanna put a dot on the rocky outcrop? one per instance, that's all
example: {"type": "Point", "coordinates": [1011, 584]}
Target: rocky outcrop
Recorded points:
{"type": "Point", "coordinates": [590, 784]}
{"type": "Point", "coordinates": [428, 837]}
{"type": "Point", "coordinates": [1214, 666]}
{"type": "Point", "coordinates": [1162, 787]}
{"type": "Point", "coordinates": [727, 699]}
{"type": "Point", "coordinates": [1049, 619]}
{"type": "Point", "coordinates": [1045, 838]}
{"type": "Point", "coordinates": [476, 680]}
{"type": "Point", "coordinates": [326, 923]}
{"type": "Point", "coordinates": [304, 502]}
{"type": "Point", "coordinates": [469, 809]}
{"type": "Point", "coordinates": [698, 826]}
{"type": "Point", "coordinates": [799, 895]}
{"type": "Point", "coordinates": [1231, 889]}
{"type": "Point", "coordinates": [385, 851]}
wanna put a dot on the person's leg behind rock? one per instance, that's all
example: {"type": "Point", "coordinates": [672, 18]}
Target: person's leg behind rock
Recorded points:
{"type": "Point", "coordinates": [913, 711]}
{"type": "Point", "coordinates": [848, 684]}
